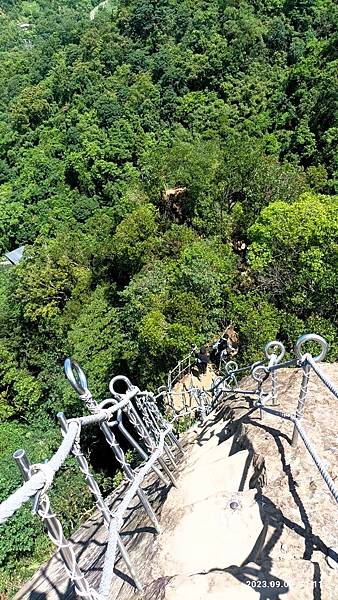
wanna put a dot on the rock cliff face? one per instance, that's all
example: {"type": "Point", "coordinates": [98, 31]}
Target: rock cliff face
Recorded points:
{"type": "Point", "coordinates": [298, 511]}
{"type": "Point", "coordinates": [251, 516]}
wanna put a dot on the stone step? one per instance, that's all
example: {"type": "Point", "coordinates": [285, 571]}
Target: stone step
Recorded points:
{"type": "Point", "coordinates": [218, 465]}
{"type": "Point", "coordinates": [290, 579]}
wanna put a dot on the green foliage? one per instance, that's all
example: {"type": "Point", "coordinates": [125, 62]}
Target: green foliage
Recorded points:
{"type": "Point", "coordinates": [257, 321]}
{"type": "Point", "coordinates": [134, 238]}
{"type": "Point", "coordinates": [294, 250]}
{"type": "Point", "coordinates": [291, 327]}
{"type": "Point", "coordinates": [54, 273]}
{"type": "Point", "coordinates": [96, 341]}
{"type": "Point", "coordinates": [10, 217]}
{"type": "Point", "coordinates": [206, 269]}
{"type": "Point", "coordinates": [19, 390]}
{"type": "Point", "coordinates": [184, 423]}
{"type": "Point", "coordinates": [170, 167]}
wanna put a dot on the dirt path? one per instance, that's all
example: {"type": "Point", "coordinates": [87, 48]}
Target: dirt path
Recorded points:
{"type": "Point", "coordinates": [208, 524]}
{"type": "Point", "coordinates": [251, 517]}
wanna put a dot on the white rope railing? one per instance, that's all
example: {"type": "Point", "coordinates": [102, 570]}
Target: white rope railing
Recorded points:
{"type": "Point", "coordinates": [39, 477]}
{"type": "Point", "coordinates": [141, 409]}
{"type": "Point", "coordinates": [37, 482]}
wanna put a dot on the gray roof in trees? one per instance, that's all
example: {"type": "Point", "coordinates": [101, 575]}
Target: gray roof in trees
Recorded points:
{"type": "Point", "coordinates": [15, 256]}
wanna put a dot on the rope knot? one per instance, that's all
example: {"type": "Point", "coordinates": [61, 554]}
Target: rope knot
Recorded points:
{"type": "Point", "coordinates": [48, 473]}
{"type": "Point", "coordinates": [89, 402]}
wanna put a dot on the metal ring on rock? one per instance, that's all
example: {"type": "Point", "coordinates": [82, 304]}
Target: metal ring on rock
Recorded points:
{"type": "Point", "coordinates": [231, 367]}
{"type": "Point", "coordinates": [258, 363]}
{"type": "Point", "coordinates": [76, 376]}
{"type": "Point", "coordinates": [260, 373]}
{"type": "Point", "coordinates": [272, 345]}
{"type": "Point", "coordinates": [311, 337]}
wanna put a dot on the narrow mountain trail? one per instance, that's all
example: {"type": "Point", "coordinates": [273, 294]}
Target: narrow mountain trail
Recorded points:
{"type": "Point", "coordinates": [250, 518]}
{"type": "Point", "coordinates": [208, 524]}
{"type": "Point", "coordinates": [181, 396]}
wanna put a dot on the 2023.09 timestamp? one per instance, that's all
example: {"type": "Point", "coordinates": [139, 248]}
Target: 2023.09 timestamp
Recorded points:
{"type": "Point", "coordinates": [262, 583]}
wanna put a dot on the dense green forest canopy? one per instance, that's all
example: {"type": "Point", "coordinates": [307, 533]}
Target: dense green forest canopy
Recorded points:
{"type": "Point", "coordinates": [170, 166]}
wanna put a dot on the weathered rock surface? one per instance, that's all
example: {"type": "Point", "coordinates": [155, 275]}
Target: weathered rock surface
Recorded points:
{"type": "Point", "coordinates": [181, 395]}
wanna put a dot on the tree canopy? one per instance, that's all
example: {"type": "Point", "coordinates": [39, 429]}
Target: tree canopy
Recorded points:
{"type": "Point", "coordinates": [170, 166]}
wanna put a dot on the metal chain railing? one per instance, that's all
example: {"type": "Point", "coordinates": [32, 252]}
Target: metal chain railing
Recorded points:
{"type": "Point", "coordinates": [39, 477]}
{"type": "Point", "coordinates": [159, 445]}
{"type": "Point", "coordinates": [183, 366]}
{"type": "Point", "coordinates": [261, 373]}
{"type": "Point", "coordinates": [307, 364]}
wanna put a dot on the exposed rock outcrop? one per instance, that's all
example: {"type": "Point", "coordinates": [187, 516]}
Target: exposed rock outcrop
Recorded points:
{"type": "Point", "coordinates": [251, 516]}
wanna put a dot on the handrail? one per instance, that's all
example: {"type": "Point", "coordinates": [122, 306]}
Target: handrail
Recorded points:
{"type": "Point", "coordinates": [183, 366]}
{"type": "Point", "coordinates": [142, 411]}
{"type": "Point", "coordinates": [306, 363]}
{"type": "Point", "coordinates": [160, 440]}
